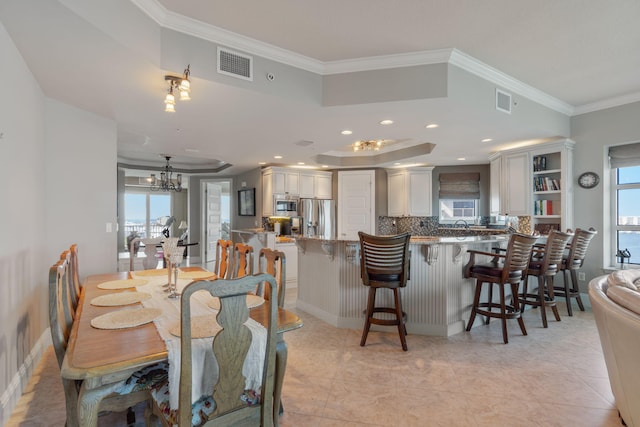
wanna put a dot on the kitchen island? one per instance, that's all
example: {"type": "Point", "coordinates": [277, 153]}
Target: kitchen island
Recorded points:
{"type": "Point", "coordinates": [437, 298]}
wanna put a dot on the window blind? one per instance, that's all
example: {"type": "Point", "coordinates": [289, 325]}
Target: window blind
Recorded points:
{"type": "Point", "coordinates": [622, 156]}
{"type": "Point", "coordinates": [459, 186]}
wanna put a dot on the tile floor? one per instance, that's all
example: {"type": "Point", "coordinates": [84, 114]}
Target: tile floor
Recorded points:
{"type": "Point", "coordinates": [552, 377]}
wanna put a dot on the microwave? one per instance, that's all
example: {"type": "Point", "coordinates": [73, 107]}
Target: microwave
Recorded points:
{"type": "Point", "coordinates": [285, 207]}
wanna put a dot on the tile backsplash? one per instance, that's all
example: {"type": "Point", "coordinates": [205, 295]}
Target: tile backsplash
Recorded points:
{"type": "Point", "coordinates": [430, 225]}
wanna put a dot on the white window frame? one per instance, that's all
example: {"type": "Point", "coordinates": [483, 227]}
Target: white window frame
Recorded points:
{"type": "Point", "coordinates": [469, 219]}
{"type": "Point", "coordinates": [614, 215]}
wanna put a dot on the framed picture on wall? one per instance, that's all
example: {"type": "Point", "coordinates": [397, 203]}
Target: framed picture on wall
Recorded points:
{"type": "Point", "coordinates": [247, 202]}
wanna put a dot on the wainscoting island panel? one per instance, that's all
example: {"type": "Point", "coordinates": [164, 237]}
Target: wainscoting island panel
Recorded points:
{"type": "Point", "coordinates": [437, 298]}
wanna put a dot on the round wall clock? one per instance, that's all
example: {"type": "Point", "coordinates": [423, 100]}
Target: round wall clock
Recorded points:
{"type": "Point", "coordinates": [588, 180]}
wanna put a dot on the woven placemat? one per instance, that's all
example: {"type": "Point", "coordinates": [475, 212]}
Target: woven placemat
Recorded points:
{"type": "Point", "coordinates": [252, 301]}
{"type": "Point", "coordinates": [147, 273]}
{"type": "Point", "coordinates": [122, 284]}
{"type": "Point", "coordinates": [119, 298]}
{"type": "Point", "coordinates": [201, 327]}
{"type": "Point", "coordinates": [125, 318]}
{"type": "Point", "coordinates": [196, 275]}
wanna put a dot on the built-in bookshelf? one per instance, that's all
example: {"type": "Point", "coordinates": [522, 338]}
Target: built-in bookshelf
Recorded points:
{"type": "Point", "coordinates": [551, 170]}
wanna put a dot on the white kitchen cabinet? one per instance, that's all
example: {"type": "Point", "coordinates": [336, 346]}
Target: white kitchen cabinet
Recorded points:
{"type": "Point", "coordinates": [510, 190]}
{"type": "Point", "coordinates": [322, 185]}
{"type": "Point", "coordinates": [315, 184]}
{"type": "Point", "coordinates": [307, 184]}
{"type": "Point", "coordinates": [278, 181]}
{"type": "Point", "coordinates": [290, 251]}
{"type": "Point", "coordinates": [409, 192]}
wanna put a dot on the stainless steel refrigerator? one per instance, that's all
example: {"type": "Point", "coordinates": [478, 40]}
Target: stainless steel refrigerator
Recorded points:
{"type": "Point", "coordinates": [318, 218]}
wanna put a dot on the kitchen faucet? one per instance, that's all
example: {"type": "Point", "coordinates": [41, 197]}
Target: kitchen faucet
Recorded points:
{"type": "Point", "coordinates": [465, 223]}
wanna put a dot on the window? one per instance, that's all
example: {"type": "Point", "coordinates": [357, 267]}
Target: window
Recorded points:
{"type": "Point", "coordinates": [453, 210]}
{"type": "Point", "coordinates": [145, 213]}
{"type": "Point", "coordinates": [459, 194]}
{"type": "Point", "coordinates": [627, 217]}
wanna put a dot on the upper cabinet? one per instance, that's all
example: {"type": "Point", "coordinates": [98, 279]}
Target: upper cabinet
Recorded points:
{"type": "Point", "coordinates": [315, 184]}
{"type": "Point", "coordinates": [535, 181]}
{"type": "Point", "coordinates": [283, 181]}
{"type": "Point", "coordinates": [409, 191]}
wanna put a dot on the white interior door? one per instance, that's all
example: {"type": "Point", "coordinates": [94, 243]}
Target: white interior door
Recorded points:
{"type": "Point", "coordinates": [213, 219]}
{"type": "Point", "coordinates": [356, 203]}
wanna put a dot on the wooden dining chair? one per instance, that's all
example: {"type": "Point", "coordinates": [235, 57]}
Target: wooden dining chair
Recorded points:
{"type": "Point", "coordinates": [114, 397]}
{"type": "Point", "coordinates": [505, 270]}
{"type": "Point", "coordinates": [544, 264]}
{"type": "Point", "coordinates": [242, 260]}
{"type": "Point", "coordinates": [134, 247]}
{"type": "Point", "coordinates": [273, 262]}
{"type": "Point", "coordinates": [74, 274]}
{"type": "Point", "coordinates": [150, 261]}
{"type": "Point", "coordinates": [224, 256]}
{"type": "Point", "coordinates": [231, 404]}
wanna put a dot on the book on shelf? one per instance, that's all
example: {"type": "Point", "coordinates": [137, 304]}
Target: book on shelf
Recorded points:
{"type": "Point", "coordinates": [541, 183]}
{"type": "Point", "coordinates": [543, 207]}
{"type": "Point", "coordinates": [539, 163]}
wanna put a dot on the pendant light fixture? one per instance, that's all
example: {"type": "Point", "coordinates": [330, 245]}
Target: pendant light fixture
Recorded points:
{"type": "Point", "coordinates": [165, 183]}
{"type": "Point", "coordinates": [182, 85]}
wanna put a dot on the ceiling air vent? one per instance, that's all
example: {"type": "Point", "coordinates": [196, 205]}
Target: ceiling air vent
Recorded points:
{"type": "Point", "coordinates": [235, 64]}
{"type": "Point", "coordinates": [503, 101]}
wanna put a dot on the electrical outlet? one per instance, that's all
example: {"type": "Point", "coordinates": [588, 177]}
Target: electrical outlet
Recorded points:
{"type": "Point", "coordinates": [581, 276]}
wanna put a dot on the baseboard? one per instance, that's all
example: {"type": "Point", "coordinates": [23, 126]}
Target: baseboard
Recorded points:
{"type": "Point", "coordinates": [12, 394]}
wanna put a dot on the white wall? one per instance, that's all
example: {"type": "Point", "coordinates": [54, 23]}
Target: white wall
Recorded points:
{"type": "Point", "coordinates": [58, 187]}
{"type": "Point", "coordinates": [593, 134]}
{"type": "Point", "coordinates": [81, 186]}
{"type": "Point", "coordinates": [23, 267]}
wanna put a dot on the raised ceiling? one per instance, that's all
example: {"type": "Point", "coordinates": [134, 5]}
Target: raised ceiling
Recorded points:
{"type": "Point", "coordinates": [556, 58]}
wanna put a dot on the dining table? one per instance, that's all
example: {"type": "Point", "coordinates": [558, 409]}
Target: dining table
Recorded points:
{"type": "Point", "coordinates": [101, 358]}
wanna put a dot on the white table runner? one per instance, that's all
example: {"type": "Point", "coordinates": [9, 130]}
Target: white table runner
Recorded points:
{"type": "Point", "coordinates": [202, 352]}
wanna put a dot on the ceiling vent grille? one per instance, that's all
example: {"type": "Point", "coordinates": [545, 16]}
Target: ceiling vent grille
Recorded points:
{"type": "Point", "coordinates": [235, 64]}
{"type": "Point", "coordinates": [503, 101]}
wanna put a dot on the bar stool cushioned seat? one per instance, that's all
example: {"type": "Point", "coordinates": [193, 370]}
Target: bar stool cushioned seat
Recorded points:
{"type": "Point", "coordinates": [384, 263]}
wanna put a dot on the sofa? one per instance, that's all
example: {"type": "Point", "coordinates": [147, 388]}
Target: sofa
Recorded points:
{"type": "Point", "coordinates": [615, 301]}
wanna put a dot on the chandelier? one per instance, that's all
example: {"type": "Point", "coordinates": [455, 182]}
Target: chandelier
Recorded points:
{"type": "Point", "coordinates": [182, 85]}
{"type": "Point", "coordinates": [165, 183]}
{"type": "Point", "coordinates": [374, 145]}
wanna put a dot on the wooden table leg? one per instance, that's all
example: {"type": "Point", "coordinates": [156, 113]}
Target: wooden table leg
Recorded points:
{"type": "Point", "coordinates": [281, 365]}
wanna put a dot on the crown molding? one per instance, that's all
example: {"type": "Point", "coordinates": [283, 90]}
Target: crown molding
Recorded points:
{"type": "Point", "coordinates": [487, 72]}
{"type": "Point", "coordinates": [183, 24]}
{"type": "Point", "coordinates": [607, 103]}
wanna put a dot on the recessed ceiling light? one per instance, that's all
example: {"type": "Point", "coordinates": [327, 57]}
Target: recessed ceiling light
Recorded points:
{"type": "Point", "coordinates": [487, 140]}
{"type": "Point", "coordinates": [277, 157]}
{"type": "Point", "coordinates": [386, 122]}
{"type": "Point", "coordinates": [397, 164]}
{"type": "Point", "coordinates": [325, 166]}
{"type": "Point", "coordinates": [191, 150]}
{"type": "Point", "coordinates": [432, 126]}
{"type": "Point", "coordinates": [461, 158]}
{"type": "Point", "coordinates": [346, 132]}
{"type": "Point", "coordinates": [301, 163]}
{"type": "Point", "coordinates": [262, 163]}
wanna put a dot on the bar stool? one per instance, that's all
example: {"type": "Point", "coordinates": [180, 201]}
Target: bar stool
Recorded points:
{"type": "Point", "coordinates": [384, 263]}
{"type": "Point", "coordinates": [510, 273]}
{"type": "Point", "coordinates": [570, 266]}
{"type": "Point", "coordinates": [544, 264]}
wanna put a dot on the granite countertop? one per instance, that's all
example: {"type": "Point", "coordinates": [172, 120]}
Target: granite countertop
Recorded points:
{"type": "Point", "coordinates": [431, 240]}
{"type": "Point", "coordinates": [252, 231]}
